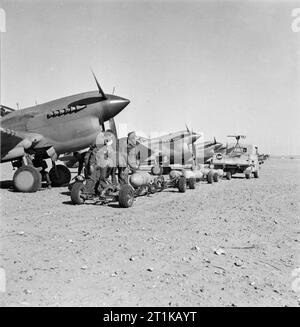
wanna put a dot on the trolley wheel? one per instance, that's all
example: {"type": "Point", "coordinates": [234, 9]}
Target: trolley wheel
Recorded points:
{"type": "Point", "coordinates": [126, 196]}
{"type": "Point", "coordinates": [182, 184]}
{"type": "Point", "coordinates": [216, 177]}
{"type": "Point", "coordinates": [210, 178]}
{"type": "Point", "coordinates": [256, 174]}
{"type": "Point", "coordinates": [192, 183]}
{"type": "Point", "coordinates": [77, 196]}
{"type": "Point", "coordinates": [228, 175]}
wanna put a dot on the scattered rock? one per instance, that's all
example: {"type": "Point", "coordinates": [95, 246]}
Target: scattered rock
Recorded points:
{"type": "Point", "coordinates": [219, 251]}
{"type": "Point", "coordinates": [21, 233]}
{"type": "Point", "coordinates": [84, 267]}
{"type": "Point", "coordinates": [114, 274]}
{"type": "Point", "coordinates": [195, 248]}
{"type": "Point", "coordinates": [238, 263]}
{"type": "Point", "coordinates": [253, 284]}
{"type": "Point", "coordinates": [27, 291]}
{"type": "Point", "coordinates": [219, 272]}
{"type": "Point", "coordinates": [150, 269]}
{"type": "Point", "coordinates": [24, 303]}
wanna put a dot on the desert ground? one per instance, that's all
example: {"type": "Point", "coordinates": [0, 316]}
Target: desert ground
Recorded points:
{"type": "Point", "coordinates": [232, 243]}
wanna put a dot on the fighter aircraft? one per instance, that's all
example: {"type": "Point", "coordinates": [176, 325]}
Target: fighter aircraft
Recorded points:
{"type": "Point", "coordinates": [205, 150]}
{"type": "Point", "coordinates": [168, 149]}
{"type": "Point", "coordinates": [47, 130]}
{"type": "Point", "coordinates": [183, 148]}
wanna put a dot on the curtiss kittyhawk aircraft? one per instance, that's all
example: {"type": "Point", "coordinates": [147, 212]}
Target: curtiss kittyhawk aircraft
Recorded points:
{"type": "Point", "coordinates": [47, 130]}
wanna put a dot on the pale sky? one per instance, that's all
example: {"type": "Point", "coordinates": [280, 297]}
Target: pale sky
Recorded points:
{"type": "Point", "coordinates": [221, 66]}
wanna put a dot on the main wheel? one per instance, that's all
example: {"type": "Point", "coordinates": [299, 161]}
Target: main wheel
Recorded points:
{"type": "Point", "coordinates": [228, 175]}
{"type": "Point", "coordinates": [210, 177]}
{"type": "Point", "coordinates": [27, 179]}
{"type": "Point", "coordinates": [61, 176]}
{"type": "Point", "coordinates": [77, 193]}
{"type": "Point", "coordinates": [216, 177]}
{"type": "Point", "coordinates": [126, 196]}
{"type": "Point", "coordinates": [182, 184]}
{"type": "Point", "coordinates": [192, 183]}
{"type": "Point", "coordinates": [256, 174]}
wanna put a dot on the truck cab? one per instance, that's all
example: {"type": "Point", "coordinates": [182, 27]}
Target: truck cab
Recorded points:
{"type": "Point", "coordinates": [238, 158]}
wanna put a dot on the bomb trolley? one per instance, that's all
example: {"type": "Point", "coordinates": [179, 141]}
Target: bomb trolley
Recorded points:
{"type": "Point", "coordinates": [140, 184]}
{"type": "Point", "coordinates": [124, 194]}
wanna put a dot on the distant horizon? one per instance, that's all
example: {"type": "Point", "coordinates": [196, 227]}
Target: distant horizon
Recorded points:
{"type": "Point", "coordinates": [222, 67]}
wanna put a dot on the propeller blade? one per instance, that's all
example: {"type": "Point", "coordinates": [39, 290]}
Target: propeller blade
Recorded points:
{"type": "Point", "coordinates": [99, 87]}
{"type": "Point", "coordinates": [188, 130]}
{"type": "Point", "coordinates": [194, 153]}
{"type": "Point", "coordinates": [215, 141]}
{"type": "Point", "coordinates": [112, 126]}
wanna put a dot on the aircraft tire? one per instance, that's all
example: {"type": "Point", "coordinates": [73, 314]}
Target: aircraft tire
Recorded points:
{"type": "Point", "coordinates": [216, 177]}
{"type": "Point", "coordinates": [192, 183]}
{"type": "Point", "coordinates": [210, 178]}
{"type": "Point", "coordinates": [126, 196]}
{"type": "Point", "coordinates": [182, 184]}
{"type": "Point", "coordinates": [228, 175]}
{"type": "Point", "coordinates": [64, 175]}
{"type": "Point", "coordinates": [27, 179]}
{"type": "Point", "coordinates": [76, 193]}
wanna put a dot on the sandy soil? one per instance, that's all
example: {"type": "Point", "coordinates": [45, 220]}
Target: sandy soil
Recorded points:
{"type": "Point", "coordinates": [162, 251]}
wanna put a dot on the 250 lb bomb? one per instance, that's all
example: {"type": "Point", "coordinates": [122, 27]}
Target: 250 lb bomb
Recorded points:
{"type": "Point", "coordinates": [175, 174]}
{"type": "Point", "coordinates": [139, 179]}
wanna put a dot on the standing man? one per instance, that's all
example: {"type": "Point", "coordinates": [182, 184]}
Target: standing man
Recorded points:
{"type": "Point", "coordinates": [128, 158]}
{"type": "Point", "coordinates": [91, 172]}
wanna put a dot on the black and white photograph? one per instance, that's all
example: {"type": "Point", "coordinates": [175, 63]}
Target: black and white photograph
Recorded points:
{"type": "Point", "coordinates": [150, 155]}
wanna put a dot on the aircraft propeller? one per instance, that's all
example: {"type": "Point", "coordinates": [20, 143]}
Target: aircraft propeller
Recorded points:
{"type": "Point", "coordinates": [98, 85]}
{"type": "Point", "coordinates": [194, 151]}
{"type": "Point", "coordinates": [112, 126]}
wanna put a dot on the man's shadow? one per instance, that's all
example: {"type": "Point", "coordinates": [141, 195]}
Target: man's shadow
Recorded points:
{"type": "Point", "coordinates": [6, 184]}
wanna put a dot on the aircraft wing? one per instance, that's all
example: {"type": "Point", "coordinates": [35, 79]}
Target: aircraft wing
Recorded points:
{"type": "Point", "coordinates": [14, 144]}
